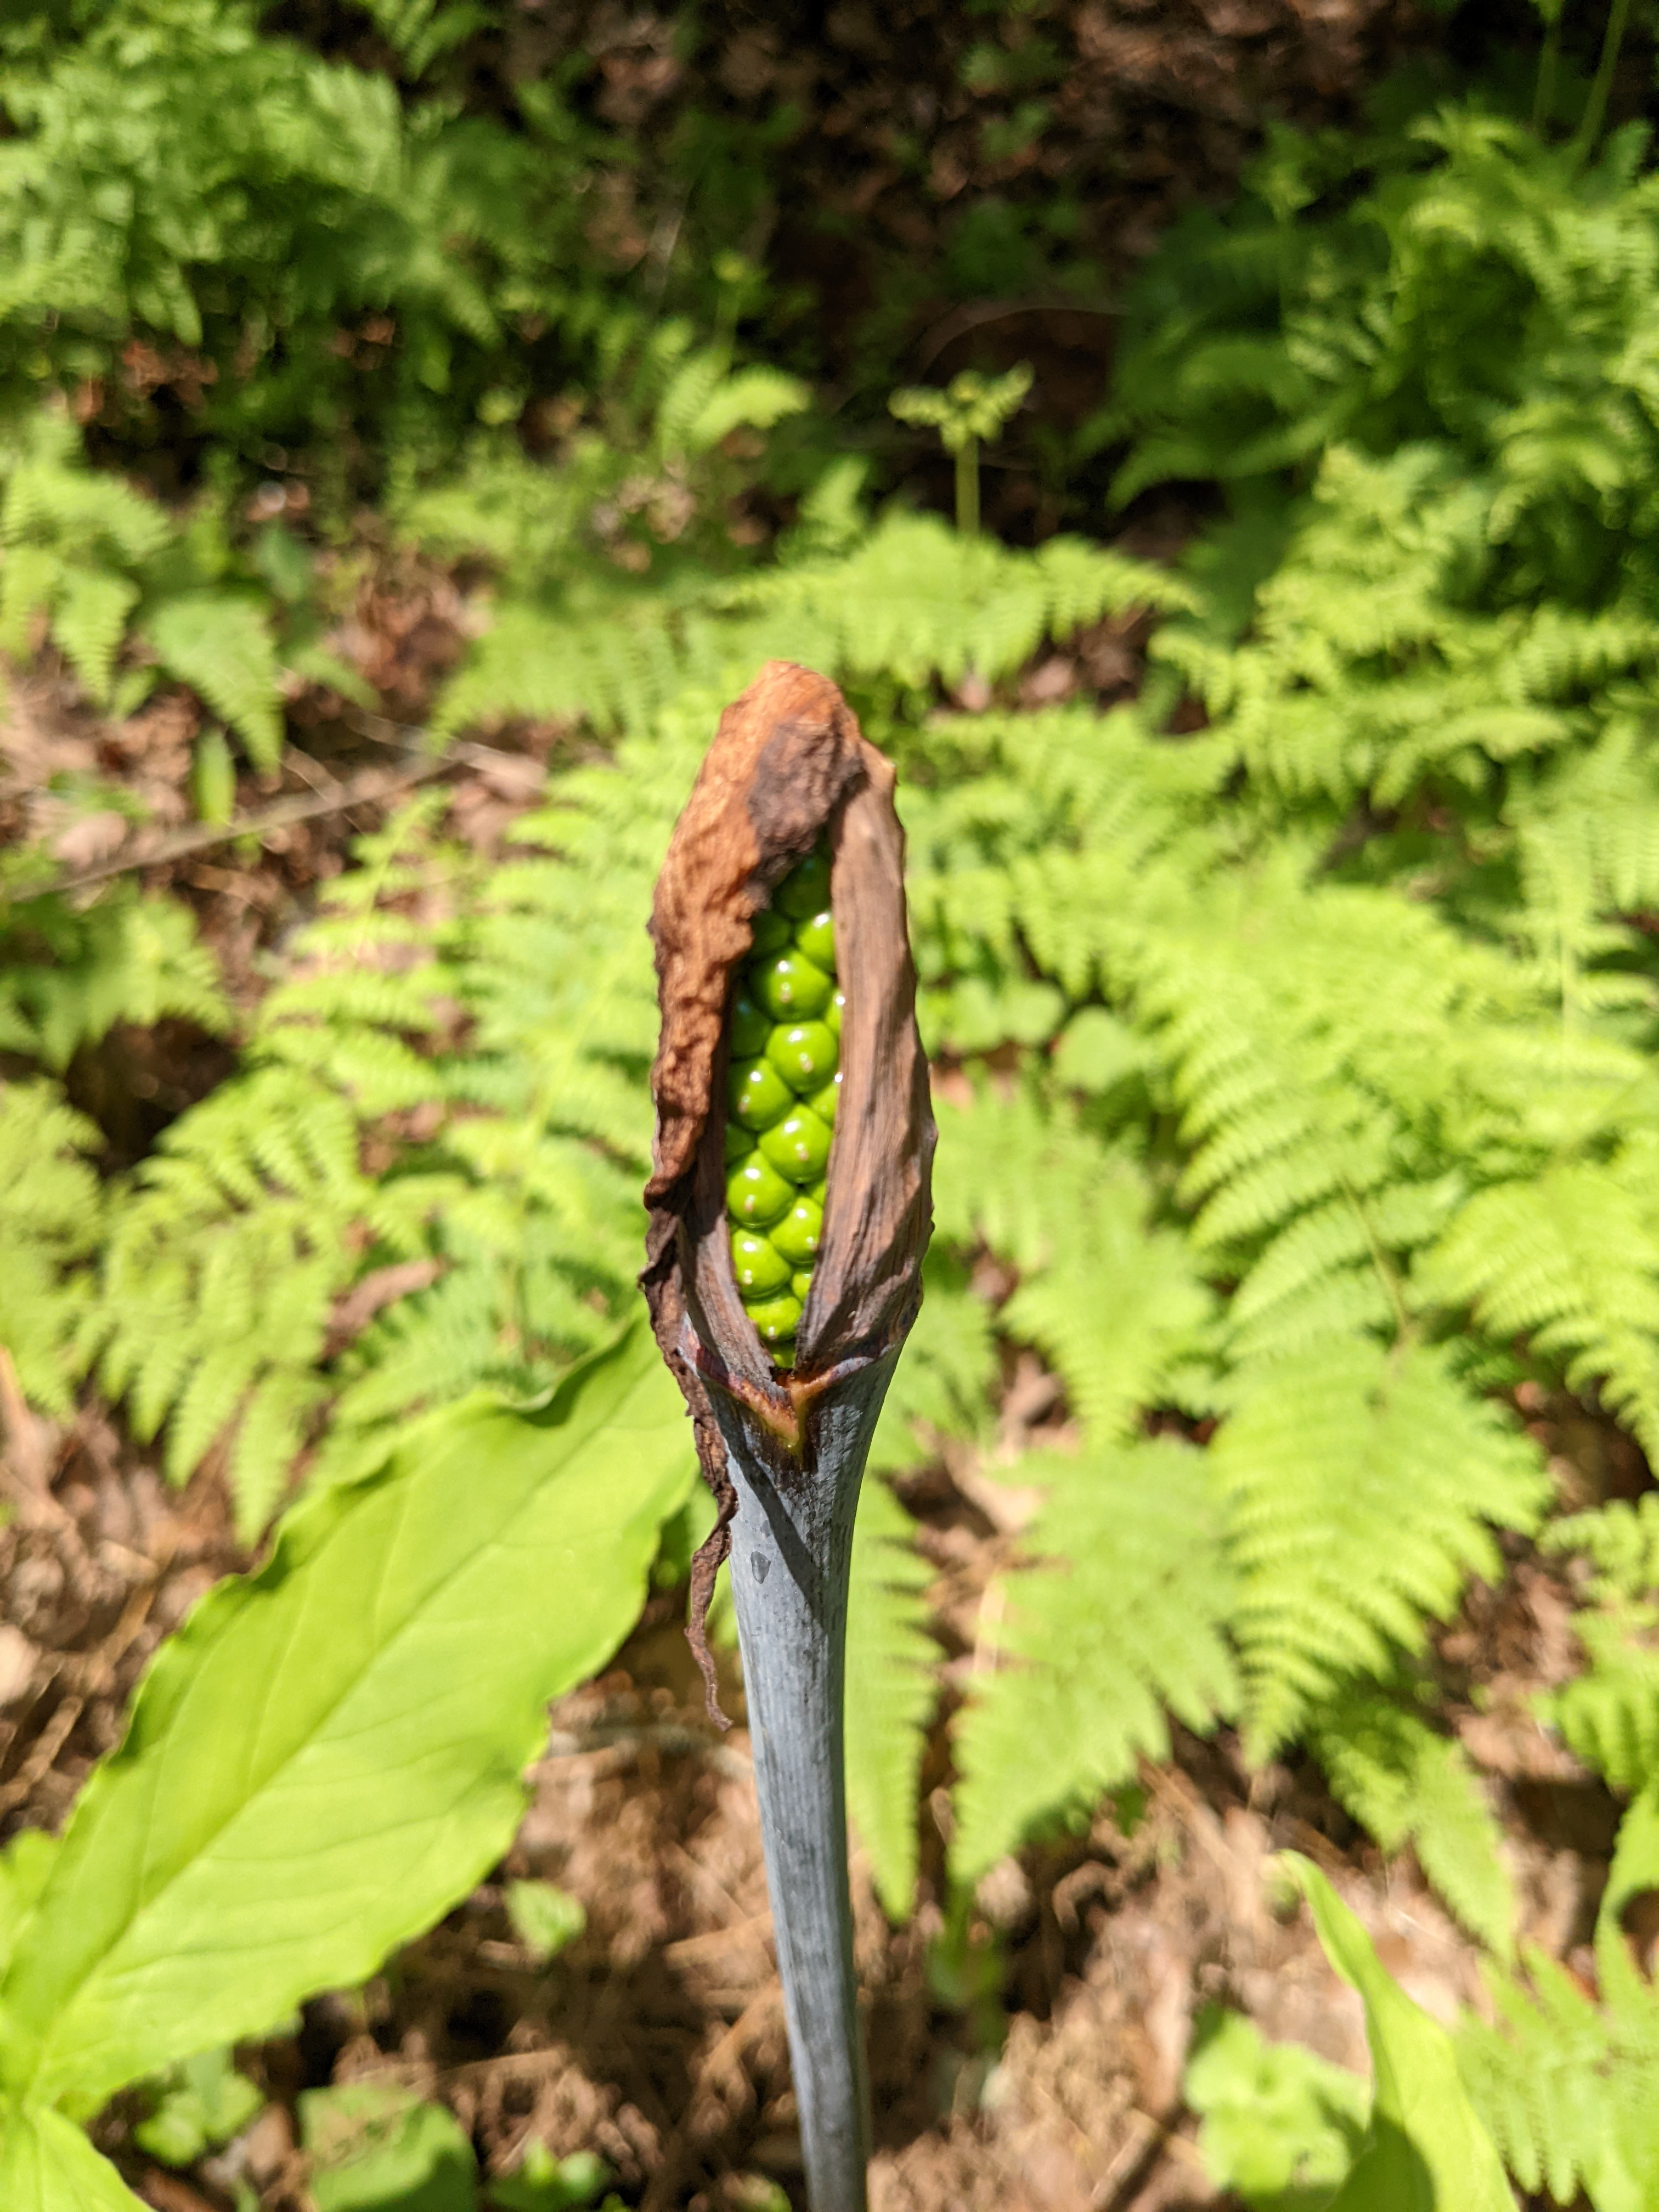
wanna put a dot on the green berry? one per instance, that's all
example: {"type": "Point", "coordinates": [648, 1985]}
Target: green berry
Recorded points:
{"type": "Point", "coordinates": [777, 1319]}
{"type": "Point", "coordinates": [791, 988]}
{"type": "Point", "coordinates": [818, 1192]}
{"type": "Point", "coordinates": [756, 1194]}
{"type": "Point", "coordinates": [762, 1271]}
{"type": "Point", "coordinates": [798, 1233]}
{"type": "Point", "coordinates": [798, 1146]}
{"type": "Point", "coordinates": [806, 889]}
{"type": "Point", "coordinates": [783, 1088]}
{"type": "Point", "coordinates": [772, 935]}
{"type": "Point", "coordinates": [758, 1094]}
{"type": "Point", "coordinates": [817, 939]}
{"type": "Point", "coordinates": [805, 1054]}
{"type": "Point", "coordinates": [824, 1102]}
{"type": "Point", "coordinates": [749, 1027]}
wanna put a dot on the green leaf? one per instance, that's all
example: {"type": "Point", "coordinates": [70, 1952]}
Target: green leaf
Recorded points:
{"type": "Point", "coordinates": [545, 1917]}
{"type": "Point", "coordinates": [758, 397]}
{"type": "Point", "coordinates": [90, 618]}
{"type": "Point", "coordinates": [1361, 1484]}
{"type": "Point", "coordinates": [1123, 1617]}
{"type": "Point", "coordinates": [372, 2148]}
{"type": "Point", "coordinates": [891, 1692]}
{"type": "Point", "coordinates": [1428, 2151]}
{"type": "Point", "coordinates": [330, 1751]}
{"type": "Point", "coordinates": [545, 2183]}
{"type": "Point", "coordinates": [222, 648]}
{"type": "Point", "coordinates": [1276, 2118]}
{"type": "Point", "coordinates": [1408, 1784]}
{"type": "Point", "coordinates": [205, 2101]}
{"type": "Point", "coordinates": [47, 2165]}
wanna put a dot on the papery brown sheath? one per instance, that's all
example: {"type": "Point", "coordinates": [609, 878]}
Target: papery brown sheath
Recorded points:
{"type": "Point", "coordinates": [784, 1453]}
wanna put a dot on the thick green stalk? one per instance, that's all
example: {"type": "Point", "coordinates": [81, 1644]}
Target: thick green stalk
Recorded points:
{"type": "Point", "coordinates": [792, 1544]}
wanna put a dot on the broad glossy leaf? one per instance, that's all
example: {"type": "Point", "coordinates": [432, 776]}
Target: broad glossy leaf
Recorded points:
{"type": "Point", "coordinates": [1428, 2151]}
{"type": "Point", "coordinates": [330, 1751]}
{"type": "Point", "coordinates": [47, 2165]}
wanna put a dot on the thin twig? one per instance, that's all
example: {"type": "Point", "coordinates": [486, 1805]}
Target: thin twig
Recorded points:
{"type": "Point", "coordinates": [366, 788]}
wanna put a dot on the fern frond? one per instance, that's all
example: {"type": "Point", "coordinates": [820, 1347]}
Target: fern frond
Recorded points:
{"type": "Point", "coordinates": [1362, 1486]}
{"type": "Point", "coordinates": [222, 648]}
{"type": "Point", "coordinates": [123, 959]}
{"type": "Point", "coordinates": [1115, 1303]}
{"type": "Point", "coordinates": [1121, 1616]}
{"type": "Point", "coordinates": [89, 621]}
{"type": "Point", "coordinates": [1610, 1715]}
{"type": "Point", "coordinates": [51, 1218]}
{"type": "Point", "coordinates": [1570, 2091]}
{"type": "Point", "coordinates": [1570, 1258]}
{"type": "Point", "coordinates": [1407, 1783]}
{"type": "Point", "coordinates": [1620, 1538]}
{"type": "Point", "coordinates": [891, 1693]}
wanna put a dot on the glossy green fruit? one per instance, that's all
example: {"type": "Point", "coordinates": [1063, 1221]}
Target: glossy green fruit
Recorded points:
{"type": "Point", "coordinates": [790, 988]}
{"type": "Point", "coordinates": [797, 1233]}
{"type": "Point", "coordinates": [772, 933]}
{"type": "Point", "coordinates": [817, 939]}
{"type": "Point", "coordinates": [805, 1054]}
{"type": "Point", "coordinates": [806, 889]}
{"type": "Point", "coordinates": [777, 1318]}
{"type": "Point", "coordinates": [756, 1194]}
{"type": "Point", "coordinates": [758, 1094]}
{"type": "Point", "coordinates": [783, 1088]}
{"type": "Point", "coordinates": [762, 1271]}
{"type": "Point", "coordinates": [749, 1027]}
{"type": "Point", "coordinates": [824, 1102]}
{"type": "Point", "coordinates": [798, 1146]}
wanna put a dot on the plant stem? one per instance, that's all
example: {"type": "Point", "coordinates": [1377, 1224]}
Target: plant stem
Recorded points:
{"type": "Point", "coordinates": [1543, 91]}
{"type": "Point", "coordinates": [791, 1546]}
{"type": "Point", "coordinates": [1595, 107]}
{"type": "Point", "coordinates": [968, 488]}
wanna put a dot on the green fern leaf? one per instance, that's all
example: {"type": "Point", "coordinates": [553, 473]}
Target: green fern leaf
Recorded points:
{"type": "Point", "coordinates": [1361, 1485]}
{"type": "Point", "coordinates": [89, 621]}
{"type": "Point", "coordinates": [891, 1693]}
{"type": "Point", "coordinates": [1408, 1784]}
{"type": "Point", "coordinates": [1570, 1258]}
{"type": "Point", "coordinates": [51, 1218]}
{"type": "Point", "coordinates": [222, 648]}
{"type": "Point", "coordinates": [1121, 1616]}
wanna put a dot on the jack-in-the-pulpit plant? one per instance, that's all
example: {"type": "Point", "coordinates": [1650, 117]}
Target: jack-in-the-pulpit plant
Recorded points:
{"type": "Point", "coordinates": [789, 1211]}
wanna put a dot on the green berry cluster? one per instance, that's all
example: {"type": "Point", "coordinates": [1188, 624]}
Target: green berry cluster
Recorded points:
{"type": "Point", "coordinates": [784, 1081]}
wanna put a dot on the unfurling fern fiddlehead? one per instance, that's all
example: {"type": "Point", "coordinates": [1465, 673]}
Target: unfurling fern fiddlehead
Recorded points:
{"type": "Point", "coordinates": [784, 1388]}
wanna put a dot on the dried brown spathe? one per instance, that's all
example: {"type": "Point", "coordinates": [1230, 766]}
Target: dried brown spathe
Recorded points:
{"type": "Point", "coordinates": [789, 764]}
